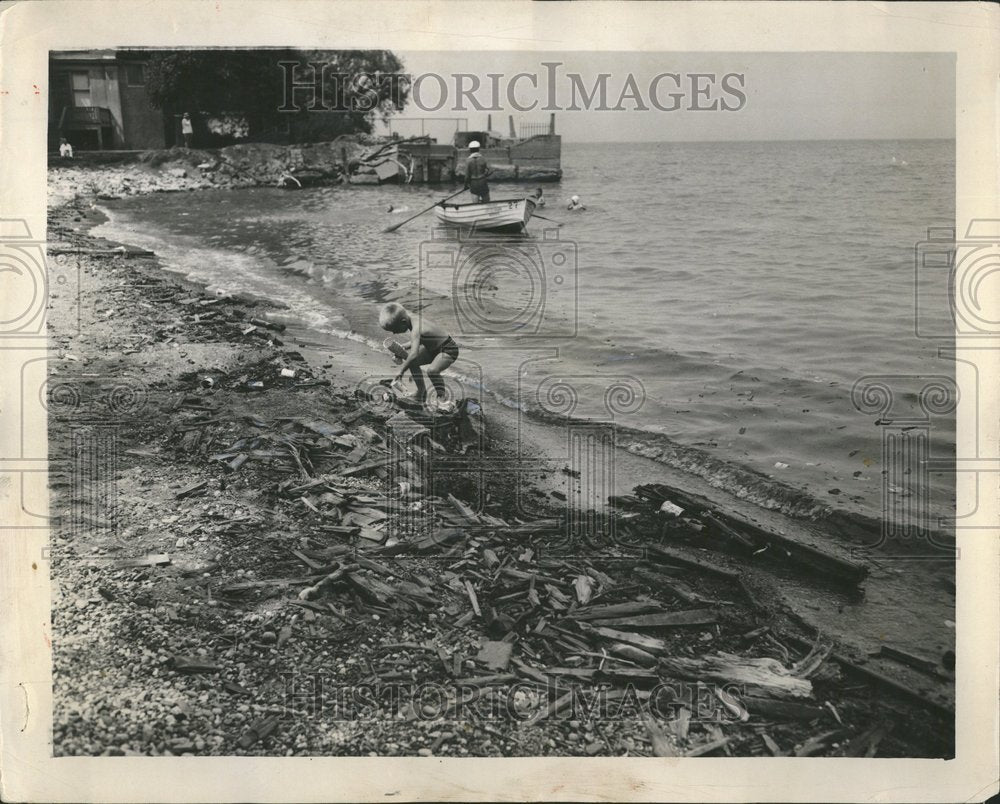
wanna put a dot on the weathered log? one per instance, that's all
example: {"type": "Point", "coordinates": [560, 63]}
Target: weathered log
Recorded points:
{"type": "Point", "coordinates": [764, 675]}
{"type": "Point", "coordinates": [752, 537]}
{"type": "Point", "coordinates": [916, 697]}
{"type": "Point", "coordinates": [782, 710]}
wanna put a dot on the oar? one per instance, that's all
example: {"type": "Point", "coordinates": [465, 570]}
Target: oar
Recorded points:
{"type": "Point", "coordinates": [535, 215]}
{"type": "Point", "coordinates": [396, 226]}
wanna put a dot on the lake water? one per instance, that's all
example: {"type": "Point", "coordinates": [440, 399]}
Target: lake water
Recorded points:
{"type": "Point", "coordinates": [722, 296]}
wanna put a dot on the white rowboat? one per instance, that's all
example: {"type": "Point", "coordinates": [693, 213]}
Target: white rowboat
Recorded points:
{"type": "Point", "coordinates": [504, 215]}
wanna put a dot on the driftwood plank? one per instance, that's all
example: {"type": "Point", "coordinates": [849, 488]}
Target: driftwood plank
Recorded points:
{"type": "Point", "coordinates": [639, 640]}
{"type": "Point", "coordinates": [664, 619]}
{"type": "Point", "coordinates": [609, 610]}
{"type": "Point", "coordinates": [759, 676]}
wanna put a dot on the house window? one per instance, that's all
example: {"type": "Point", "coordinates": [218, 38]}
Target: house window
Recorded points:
{"type": "Point", "coordinates": [80, 86]}
{"type": "Point", "coordinates": [135, 75]}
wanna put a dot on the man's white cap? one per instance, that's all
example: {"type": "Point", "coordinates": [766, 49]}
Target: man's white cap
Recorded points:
{"type": "Point", "coordinates": [575, 198]}
{"type": "Point", "coordinates": [474, 144]}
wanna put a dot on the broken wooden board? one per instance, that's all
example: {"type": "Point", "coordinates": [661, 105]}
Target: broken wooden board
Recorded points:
{"type": "Point", "coordinates": [537, 525]}
{"type": "Point", "coordinates": [664, 619]}
{"type": "Point", "coordinates": [669, 555]}
{"type": "Point", "coordinates": [372, 535]}
{"type": "Point", "coordinates": [531, 672]}
{"type": "Point", "coordinates": [916, 696]}
{"type": "Point", "coordinates": [706, 748]}
{"type": "Point", "coordinates": [750, 536]}
{"type": "Point", "coordinates": [441, 537]}
{"type": "Point", "coordinates": [782, 710]}
{"type": "Point", "coordinates": [575, 672]}
{"type": "Point", "coordinates": [322, 428]}
{"type": "Point", "coordinates": [610, 610]}
{"type": "Point", "coordinates": [372, 587]}
{"type": "Point", "coordinates": [364, 517]}
{"type": "Point", "coordinates": [633, 654]}
{"type": "Point", "coordinates": [733, 535]}
{"type": "Point", "coordinates": [495, 655]}
{"type": "Point", "coordinates": [521, 575]}
{"type": "Point", "coordinates": [364, 467]}
{"type": "Point", "coordinates": [417, 593]}
{"type": "Point", "coordinates": [758, 676]}
{"type": "Point", "coordinates": [648, 643]}
{"type": "Point", "coordinates": [628, 675]}
{"type": "Point", "coordinates": [473, 598]}
{"type": "Point", "coordinates": [191, 490]}
{"type": "Point", "coordinates": [823, 563]}
{"type": "Point", "coordinates": [916, 662]}
{"type": "Point", "coordinates": [317, 589]}
{"type": "Point", "coordinates": [675, 587]}
{"type": "Point", "coordinates": [465, 511]}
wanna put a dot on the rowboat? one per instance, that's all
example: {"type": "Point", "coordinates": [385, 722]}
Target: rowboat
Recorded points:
{"type": "Point", "coordinates": [502, 215]}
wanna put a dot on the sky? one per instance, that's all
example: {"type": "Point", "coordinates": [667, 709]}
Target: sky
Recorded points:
{"type": "Point", "coordinates": [788, 96]}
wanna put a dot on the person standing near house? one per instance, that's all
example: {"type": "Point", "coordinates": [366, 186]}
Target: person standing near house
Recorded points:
{"type": "Point", "coordinates": [476, 172]}
{"type": "Point", "coordinates": [65, 149]}
{"type": "Point", "coordinates": [187, 129]}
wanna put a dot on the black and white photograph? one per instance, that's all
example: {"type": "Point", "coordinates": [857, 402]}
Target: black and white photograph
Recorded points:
{"type": "Point", "coordinates": [510, 395]}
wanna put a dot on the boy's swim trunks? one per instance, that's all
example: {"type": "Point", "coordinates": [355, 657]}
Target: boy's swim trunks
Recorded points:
{"type": "Point", "coordinates": [448, 347]}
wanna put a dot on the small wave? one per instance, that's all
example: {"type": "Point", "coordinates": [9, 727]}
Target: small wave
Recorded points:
{"type": "Point", "coordinates": [222, 272]}
{"type": "Point", "coordinates": [740, 481]}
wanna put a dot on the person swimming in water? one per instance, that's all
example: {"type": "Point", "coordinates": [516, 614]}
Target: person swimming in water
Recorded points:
{"type": "Point", "coordinates": [575, 204]}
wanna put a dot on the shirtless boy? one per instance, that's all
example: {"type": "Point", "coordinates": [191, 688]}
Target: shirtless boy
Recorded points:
{"type": "Point", "coordinates": [430, 346]}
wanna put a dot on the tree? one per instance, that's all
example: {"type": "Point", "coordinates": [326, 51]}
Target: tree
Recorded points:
{"type": "Point", "coordinates": [253, 83]}
{"type": "Point", "coordinates": [359, 85]}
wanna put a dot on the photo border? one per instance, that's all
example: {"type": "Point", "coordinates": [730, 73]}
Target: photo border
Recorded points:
{"type": "Point", "coordinates": [28, 31]}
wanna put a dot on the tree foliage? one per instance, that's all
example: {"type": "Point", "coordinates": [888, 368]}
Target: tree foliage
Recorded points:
{"type": "Point", "coordinates": [253, 83]}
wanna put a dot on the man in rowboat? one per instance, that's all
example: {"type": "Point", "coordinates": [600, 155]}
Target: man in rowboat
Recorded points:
{"type": "Point", "coordinates": [476, 171]}
{"type": "Point", "coordinates": [430, 345]}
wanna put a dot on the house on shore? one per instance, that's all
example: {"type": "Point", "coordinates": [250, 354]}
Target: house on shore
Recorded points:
{"type": "Point", "coordinates": [98, 101]}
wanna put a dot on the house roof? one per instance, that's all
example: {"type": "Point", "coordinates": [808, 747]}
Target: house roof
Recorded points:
{"type": "Point", "coordinates": [83, 55]}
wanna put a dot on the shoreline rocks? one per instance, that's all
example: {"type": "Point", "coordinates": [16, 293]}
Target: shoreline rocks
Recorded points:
{"type": "Point", "coordinates": [187, 169]}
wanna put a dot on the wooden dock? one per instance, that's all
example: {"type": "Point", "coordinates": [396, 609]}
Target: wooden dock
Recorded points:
{"type": "Point", "coordinates": [537, 157]}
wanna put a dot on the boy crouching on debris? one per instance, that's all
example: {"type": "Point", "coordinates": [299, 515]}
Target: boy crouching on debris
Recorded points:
{"type": "Point", "coordinates": [430, 345]}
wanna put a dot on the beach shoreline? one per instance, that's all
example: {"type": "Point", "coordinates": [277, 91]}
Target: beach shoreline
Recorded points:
{"type": "Point", "coordinates": [152, 332]}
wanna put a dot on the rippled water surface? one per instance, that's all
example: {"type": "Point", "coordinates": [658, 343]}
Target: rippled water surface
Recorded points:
{"type": "Point", "coordinates": [724, 296]}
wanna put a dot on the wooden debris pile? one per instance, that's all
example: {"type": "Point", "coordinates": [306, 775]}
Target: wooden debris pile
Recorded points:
{"type": "Point", "coordinates": [671, 635]}
{"type": "Point", "coordinates": [385, 163]}
{"type": "Point", "coordinates": [661, 634]}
